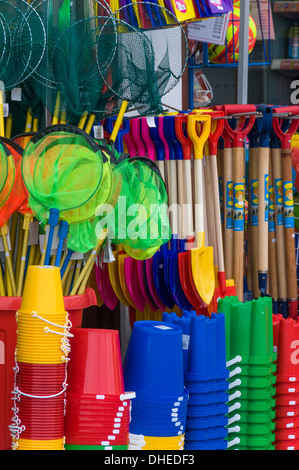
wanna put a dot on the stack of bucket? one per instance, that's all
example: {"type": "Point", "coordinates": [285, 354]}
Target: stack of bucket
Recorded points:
{"type": "Point", "coordinates": [251, 361]}
{"type": "Point", "coordinates": [184, 321]}
{"type": "Point", "coordinates": [286, 339]}
{"type": "Point", "coordinates": [153, 369]}
{"type": "Point", "coordinates": [41, 363]}
{"type": "Point", "coordinates": [206, 379]}
{"type": "Point", "coordinates": [97, 409]}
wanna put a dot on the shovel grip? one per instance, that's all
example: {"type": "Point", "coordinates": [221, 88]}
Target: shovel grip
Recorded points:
{"type": "Point", "coordinates": [284, 137]}
{"type": "Point", "coordinates": [181, 121]}
{"type": "Point", "coordinates": [242, 130]}
{"type": "Point", "coordinates": [199, 140]}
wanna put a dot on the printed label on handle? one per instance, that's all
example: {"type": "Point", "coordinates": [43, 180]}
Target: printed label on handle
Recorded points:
{"type": "Point", "coordinates": [266, 196]}
{"type": "Point", "coordinates": [254, 203]}
{"type": "Point", "coordinates": [221, 198]}
{"type": "Point", "coordinates": [229, 204]}
{"type": "Point", "coordinates": [238, 212]}
{"type": "Point", "coordinates": [288, 205]}
{"type": "Point", "coordinates": [279, 201]}
{"type": "Point", "coordinates": [271, 214]}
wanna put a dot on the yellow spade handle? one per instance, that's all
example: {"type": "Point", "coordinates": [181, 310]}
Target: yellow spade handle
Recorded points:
{"type": "Point", "coordinates": [118, 121]}
{"type": "Point", "coordinates": [199, 140]}
{"type": "Point", "coordinates": [26, 224]}
{"type": "Point", "coordinates": [89, 262]}
{"type": "Point", "coordinates": [35, 125]}
{"type": "Point", "coordinates": [2, 286]}
{"type": "Point", "coordinates": [3, 233]}
{"type": "Point", "coordinates": [8, 126]}
{"type": "Point", "coordinates": [82, 120]}
{"type": "Point", "coordinates": [198, 145]}
{"type": "Point", "coordinates": [90, 123]}
{"type": "Point", "coordinates": [55, 116]}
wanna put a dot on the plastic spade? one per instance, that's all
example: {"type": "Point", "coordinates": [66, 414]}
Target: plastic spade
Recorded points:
{"type": "Point", "coordinates": [287, 180]}
{"type": "Point", "coordinates": [160, 273]}
{"type": "Point", "coordinates": [115, 280]}
{"type": "Point", "coordinates": [148, 264]}
{"type": "Point", "coordinates": [238, 135]}
{"type": "Point", "coordinates": [201, 257]}
{"type": "Point", "coordinates": [264, 127]}
{"type": "Point", "coordinates": [122, 278]}
{"type": "Point", "coordinates": [159, 147]}
{"type": "Point", "coordinates": [174, 276]}
{"type": "Point", "coordinates": [142, 280]}
{"type": "Point", "coordinates": [104, 285]}
{"type": "Point", "coordinates": [279, 226]}
{"type": "Point", "coordinates": [225, 287]}
{"type": "Point", "coordinates": [125, 129]}
{"type": "Point", "coordinates": [130, 267]}
{"type": "Point", "coordinates": [184, 257]}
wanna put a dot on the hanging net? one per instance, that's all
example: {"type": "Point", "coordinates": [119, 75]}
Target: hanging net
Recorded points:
{"type": "Point", "coordinates": [63, 168]}
{"type": "Point", "coordinates": [137, 213]}
{"type": "Point", "coordinates": [22, 40]}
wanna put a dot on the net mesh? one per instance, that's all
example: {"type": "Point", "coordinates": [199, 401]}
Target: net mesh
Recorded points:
{"type": "Point", "coordinates": [137, 212]}
{"type": "Point", "coordinates": [22, 40]}
{"type": "Point", "coordinates": [95, 59]}
{"type": "Point", "coordinates": [63, 169]}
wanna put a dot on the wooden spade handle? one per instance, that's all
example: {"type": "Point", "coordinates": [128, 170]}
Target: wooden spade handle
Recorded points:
{"type": "Point", "coordinates": [217, 209]}
{"type": "Point", "coordinates": [273, 280]}
{"type": "Point", "coordinates": [280, 235]}
{"type": "Point", "coordinates": [238, 246]}
{"type": "Point", "coordinates": [228, 233]}
{"type": "Point", "coordinates": [253, 229]}
{"type": "Point", "coordinates": [263, 172]}
{"type": "Point", "coordinates": [290, 255]}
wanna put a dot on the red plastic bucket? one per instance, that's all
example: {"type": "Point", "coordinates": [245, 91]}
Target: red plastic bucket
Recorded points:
{"type": "Point", "coordinates": [288, 348]}
{"type": "Point", "coordinates": [74, 305]}
{"type": "Point", "coordinates": [95, 365]}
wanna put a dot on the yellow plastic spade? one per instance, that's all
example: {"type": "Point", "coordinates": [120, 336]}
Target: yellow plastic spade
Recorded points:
{"type": "Point", "coordinates": [114, 279]}
{"type": "Point", "coordinates": [122, 278]}
{"type": "Point", "coordinates": [202, 259]}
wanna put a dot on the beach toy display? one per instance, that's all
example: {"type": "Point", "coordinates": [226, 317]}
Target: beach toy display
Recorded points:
{"type": "Point", "coordinates": [153, 369]}
{"type": "Point", "coordinates": [97, 409]}
{"type": "Point", "coordinates": [43, 332]}
{"type": "Point", "coordinates": [251, 363]}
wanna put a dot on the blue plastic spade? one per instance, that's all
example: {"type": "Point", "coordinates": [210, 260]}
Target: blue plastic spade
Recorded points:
{"type": "Point", "coordinates": [159, 276]}
{"type": "Point", "coordinates": [125, 129]}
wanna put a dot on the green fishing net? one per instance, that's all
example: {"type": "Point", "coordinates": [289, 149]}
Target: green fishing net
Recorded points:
{"type": "Point", "coordinates": [136, 215]}
{"type": "Point", "coordinates": [63, 168]}
{"type": "Point", "coordinates": [22, 39]}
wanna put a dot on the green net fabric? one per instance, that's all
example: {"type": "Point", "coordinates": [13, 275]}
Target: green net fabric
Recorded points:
{"type": "Point", "coordinates": [63, 169]}
{"type": "Point", "coordinates": [137, 212]}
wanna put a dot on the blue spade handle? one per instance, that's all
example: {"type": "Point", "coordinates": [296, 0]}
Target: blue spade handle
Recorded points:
{"type": "Point", "coordinates": [53, 221]}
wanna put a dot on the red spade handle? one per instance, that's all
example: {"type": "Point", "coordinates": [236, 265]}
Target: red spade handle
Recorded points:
{"type": "Point", "coordinates": [244, 127]}
{"type": "Point", "coordinates": [184, 140]}
{"type": "Point", "coordinates": [285, 137]}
